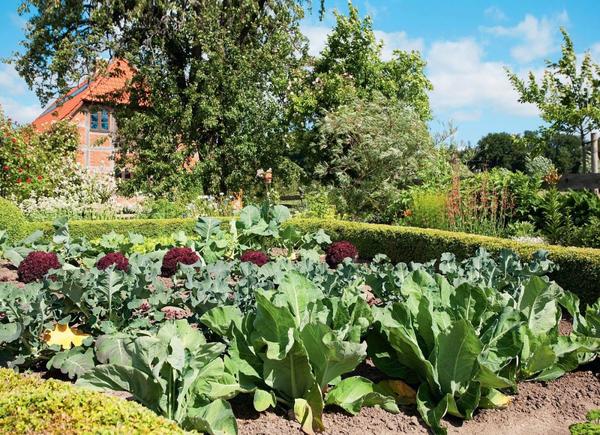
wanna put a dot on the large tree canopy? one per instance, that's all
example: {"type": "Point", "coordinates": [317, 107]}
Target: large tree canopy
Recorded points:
{"type": "Point", "coordinates": [214, 74]}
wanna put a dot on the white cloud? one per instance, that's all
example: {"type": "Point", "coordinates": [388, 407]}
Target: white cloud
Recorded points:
{"type": "Point", "coordinates": [13, 91]}
{"type": "Point", "coordinates": [10, 82]}
{"type": "Point", "coordinates": [537, 35]}
{"type": "Point", "coordinates": [466, 84]}
{"type": "Point", "coordinates": [495, 13]}
{"type": "Point", "coordinates": [317, 37]}
{"type": "Point", "coordinates": [17, 111]}
{"type": "Point", "coordinates": [397, 41]}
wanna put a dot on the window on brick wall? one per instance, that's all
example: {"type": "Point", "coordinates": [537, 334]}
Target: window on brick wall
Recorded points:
{"type": "Point", "coordinates": [100, 120]}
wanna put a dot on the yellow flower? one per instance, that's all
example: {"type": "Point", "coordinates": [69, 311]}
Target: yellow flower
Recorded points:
{"type": "Point", "coordinates": [65, 336]}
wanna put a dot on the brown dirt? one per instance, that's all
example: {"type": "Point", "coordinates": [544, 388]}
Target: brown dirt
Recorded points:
{"type": "Point", "coordinates": [8, 273]}
{"type": "Point", "coordinates": [538, 408]}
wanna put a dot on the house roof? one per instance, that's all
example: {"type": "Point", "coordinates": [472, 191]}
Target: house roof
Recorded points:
{"type": "Point", "coordinates": [104, 88]}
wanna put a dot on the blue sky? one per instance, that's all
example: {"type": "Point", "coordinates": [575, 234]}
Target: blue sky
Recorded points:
{"type": "Point", "coordinates": [467, 44]}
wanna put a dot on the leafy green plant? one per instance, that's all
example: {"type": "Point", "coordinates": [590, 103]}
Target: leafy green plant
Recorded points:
{"type": "Point", "coordinates": [590, 427]}
{"type": "Point", "coordinates": [296, 346]}
{"type": "Point", "coordinates": [467, 335]}
{"type": "Point", "coordinates": [175, 372]}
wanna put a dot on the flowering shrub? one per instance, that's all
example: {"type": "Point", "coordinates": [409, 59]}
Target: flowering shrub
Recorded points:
{"type": "Point", "coordinates": [26, 156]}
{"type": "Point", "coordinates": [81, 194]}
{"type": "Point", "coordinates": [257, 257]}
{"type": "Point", "coordinates": [337, 251]}
{"type": "Point", "coordinates": [119, 260]}
{"type": "Point", "coordinates": [175, 256]}
{"type": "Point", "coordinates": [36, 265]}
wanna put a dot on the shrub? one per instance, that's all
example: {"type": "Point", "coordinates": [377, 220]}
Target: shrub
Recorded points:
{"type": "Point", "coordinates": [116, 258]}
{"type": "Point", "coordinates": [338, 251]}
{"type": "Point", "coordinates": [31, 405]}
{"type": "Point", "coordinates": [579, 268]}
{"type": "Point", "coordinates": [11, 219]}
{"type": "Point", "coordinates": [175, 256]}
{"type": "Point", "coordinates": [36, 265]}
{"type": "Point", "coordinates": [257, 257]}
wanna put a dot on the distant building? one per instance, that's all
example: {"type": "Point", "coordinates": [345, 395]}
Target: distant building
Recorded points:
{"type": "Point", "coordinates": [90, 106]}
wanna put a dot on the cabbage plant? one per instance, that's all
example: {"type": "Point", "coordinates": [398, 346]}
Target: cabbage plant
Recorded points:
{"type": "Point", "coordinates": [174, 372]}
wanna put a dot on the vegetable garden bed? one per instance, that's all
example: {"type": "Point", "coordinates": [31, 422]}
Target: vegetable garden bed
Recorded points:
{"type": "Point", "coordinates": [285, 319]}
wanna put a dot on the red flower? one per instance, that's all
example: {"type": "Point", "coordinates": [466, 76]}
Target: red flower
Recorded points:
{"type": "Point", "coordinates": [20, 170]}
{"type": "Point", "coordinates": [40, 178]}
{"type": "Point", "coordinates": [6, 168]}
{"type": "Point", "coordinates": [14, 140]}
{"type": "Point", "coordinates": [19, 180]}
{"type": "Point", "coordinates": [28, 180]}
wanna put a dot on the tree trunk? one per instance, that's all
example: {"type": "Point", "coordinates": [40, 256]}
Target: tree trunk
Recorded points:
{"type": "Point", "coordinates": [583, 153]}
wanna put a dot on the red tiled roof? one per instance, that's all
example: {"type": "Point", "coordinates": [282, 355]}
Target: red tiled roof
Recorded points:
{"type": "Point", "coordinates": [105, 88]}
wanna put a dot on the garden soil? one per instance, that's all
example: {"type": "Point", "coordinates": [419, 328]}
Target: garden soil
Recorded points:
{"type": "Point", "coordinates": [538, 408]}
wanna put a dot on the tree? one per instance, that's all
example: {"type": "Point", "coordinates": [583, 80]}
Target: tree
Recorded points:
{"type": "Point", "coordinates": [350, 67]}
{"type": "Point", "coordinates": [568, 96]}
{"type": "Point", "coordinates": [499, 150]}
{"type": "Point", "coordinates": [211, 84]}
{"type": "Point", "coordinates": [372, 149]}
{"type": "Point", "coordinates": [564, 150]}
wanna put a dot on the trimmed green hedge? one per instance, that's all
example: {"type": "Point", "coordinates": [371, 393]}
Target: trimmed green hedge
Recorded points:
{"type": "Point", "coordinates": [12, 220]}
{"type": "Point", "coordinates": [31, 405]}
{"type": "Point", "coordinates": [94, 229]}
{"type": "Point", "coordinates": [579, 267]}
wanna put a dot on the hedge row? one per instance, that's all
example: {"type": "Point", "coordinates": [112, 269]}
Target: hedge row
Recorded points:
{"type": "Point", "coordinates": [94, 229]}
{"type": "Point", "coordinates": [579, 267]}
{"type": "Point", "coordinates": [31, 405]}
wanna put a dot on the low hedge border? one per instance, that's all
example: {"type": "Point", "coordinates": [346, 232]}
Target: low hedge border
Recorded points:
{"type": "Point", "coordinates": [29, 404]}
{"type": "Point", "coordinates": [579, 267]}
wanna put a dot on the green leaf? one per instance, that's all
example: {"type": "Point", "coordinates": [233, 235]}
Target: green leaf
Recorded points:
{"type": "Point", "coordinates": [114, 349]}
{"type": "Point", "coordinates": [298, 291]}
{"type": "Point", "coordinates": [304, 415]}
{"type": "Point", "coordinates": [220, 319]}
{"type": "Point", "coordinates": [538, 303]}
{"type": "Point", "coordinates": [10, 332]}
{"type": "Point", "coordinates": [264, 400]}
{"type": "Point", "coordinates": [274, 327]}
{"type": "Point", "coordinates": [216, 418]}
{"type": "Point", "coordinates": [351, 394]}
{"type": "Point", "coordinates": [329, 357]}
{"type": "Point", "coordinates": [73, 362]}
{"type": "Point", "coordinates": [123, 378]}
{"type": "Point", "coordinates": [456, 357]}
{"type": "Point", "coordinates": [431, 411]}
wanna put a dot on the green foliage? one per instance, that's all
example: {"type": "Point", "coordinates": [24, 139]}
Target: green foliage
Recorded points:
{"type": "Point", "coordinates": [31, 161]}
{"type": "Point", "coordinates": [369, 150]}
{"type": "Point", "coordinates": [475, 328]}
{"type": "Point", "coordinates": [499, 150]}
{"type": "Point", "coordinates": [427, 210]}
{"type": "Point", "coordinates": [590, 427]}
{"type": "Point", "coordinates": [12, 220]}
{"type": "Point", "coordinates": [211, 80]}
{"type": "Point", "coordinates": [578, 271]}
{"type": "Point", "coordinates": [29, 404]}
{"type": "Point", "coordinates": [176, 373]}
{"type": "Point", "coordinates": [568, 95]}
{"type": "Point", "coordinates": [297, 343]}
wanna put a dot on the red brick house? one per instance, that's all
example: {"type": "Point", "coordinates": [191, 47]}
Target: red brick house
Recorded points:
{"type": "Point", "coordinates": [87, 106]}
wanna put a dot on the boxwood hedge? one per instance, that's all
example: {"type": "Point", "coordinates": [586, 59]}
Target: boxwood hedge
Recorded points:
{"type": "Point", "coordinates": [29, 404]}
{"type": "Point", "coordinates": [579, 267]}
